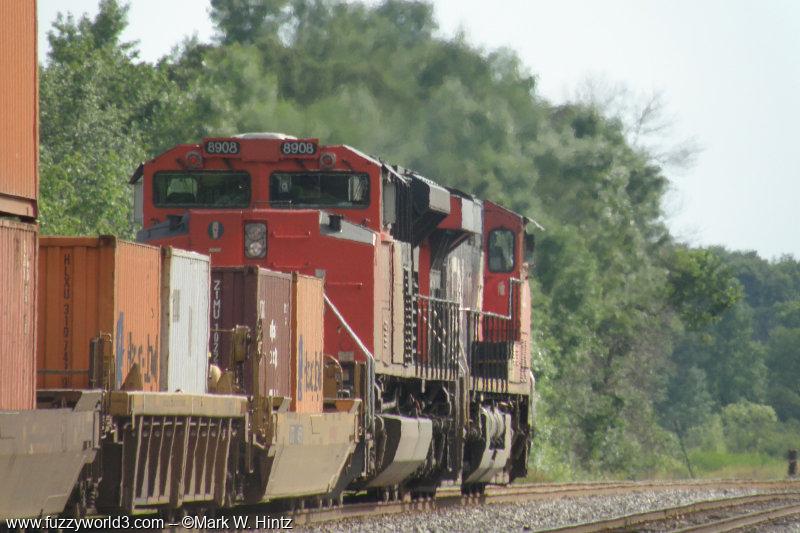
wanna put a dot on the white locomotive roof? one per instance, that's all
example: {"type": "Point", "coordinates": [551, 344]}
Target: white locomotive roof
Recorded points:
{"type": "Point", "coordinates": [264, 135]}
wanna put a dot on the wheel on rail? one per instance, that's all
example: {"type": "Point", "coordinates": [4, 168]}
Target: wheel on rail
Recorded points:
{"type": "Point", "coordinates": [423, 495]}
{"type": "Point", "coordinates": [473, 489]}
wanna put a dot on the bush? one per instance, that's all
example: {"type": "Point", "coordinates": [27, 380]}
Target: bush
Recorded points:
{"type": "Point", "coordinates": [709, 436]}
{"type": "Point", "coordinates": [748, 426]}
{"type": "Point", "coordinates": [783, 437]}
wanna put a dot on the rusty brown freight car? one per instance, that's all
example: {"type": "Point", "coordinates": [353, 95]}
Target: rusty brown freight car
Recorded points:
{"type": "Point", "coordinates": [19, 97]}
{"type": "Point", "coordinates": [18, 251]}
{"type": "Point", "coordinates": [307, 343]}
{"type": "Point", "coordinates": [90, 287]}
{"type": "Point", "coordinates": [261, 300]}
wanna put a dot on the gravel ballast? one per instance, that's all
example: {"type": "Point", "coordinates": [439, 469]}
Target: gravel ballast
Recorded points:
{"type": "Point", "coordinates": [532, 515]}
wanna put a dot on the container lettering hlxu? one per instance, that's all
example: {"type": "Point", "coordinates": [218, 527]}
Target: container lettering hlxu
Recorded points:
{"type": "Point", "coordinates": [98, 287]}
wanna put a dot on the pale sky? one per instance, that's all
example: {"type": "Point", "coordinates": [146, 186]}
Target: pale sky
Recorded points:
{"type": "Point", "coordinates": [728, 70]}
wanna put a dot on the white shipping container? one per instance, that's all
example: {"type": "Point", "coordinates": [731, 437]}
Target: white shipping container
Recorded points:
{"type": "Point", "coordinates": [184, 320]}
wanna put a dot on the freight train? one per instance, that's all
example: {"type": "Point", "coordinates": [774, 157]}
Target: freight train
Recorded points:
{"type": "Point", "coordinates": [297, 323]}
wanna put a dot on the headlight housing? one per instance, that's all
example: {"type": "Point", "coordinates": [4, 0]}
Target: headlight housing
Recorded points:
{"type": "Point", "coordinates": [255, 240]}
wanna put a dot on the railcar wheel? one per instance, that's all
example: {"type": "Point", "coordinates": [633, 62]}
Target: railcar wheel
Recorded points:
{"type": "Point", "coordinates": [473, 489]}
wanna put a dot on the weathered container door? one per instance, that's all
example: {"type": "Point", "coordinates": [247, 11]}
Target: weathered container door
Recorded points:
{"type": "Point", "coordinates": [261, 300]}
{"type": "Point", "coordinates": [273, 332]}
{"type": "Point", "coordinates": [92, 287]}
{"type": "Point", "coordinates": [307, 343]}
{"type": "Point", "coordinates": [184, 311]}
{"type": "Point", "coordinates": [137, 327]}
{"type": "Point", "coordinates": [18, 251]}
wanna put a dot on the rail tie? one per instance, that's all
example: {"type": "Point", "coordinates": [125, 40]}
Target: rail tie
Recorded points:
{"type": "Point", "coordinates": [625, 523]}
{"type": "Point", "coordinates": [452, 497]}
{"type": "Point", "coordinates": [747, 520]}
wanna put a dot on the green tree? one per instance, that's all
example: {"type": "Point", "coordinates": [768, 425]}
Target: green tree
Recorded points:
{"type": "Point", "coordinates": [783, 359]}
{"type": "Point", "coordinates": [701, 286]}
{"type": "Point", "coordinates": [101, 112]}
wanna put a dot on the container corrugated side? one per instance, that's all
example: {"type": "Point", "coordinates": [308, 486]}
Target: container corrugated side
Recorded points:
{"type": "Point", "coordinates": [97, 286]}
{"type": "Point", "coordinates": [71, 283]}
{"type": "Point", "coordinates": [19, 149]}
{"type": "Point", "coordinates": [137, 321]}
{"type": "Point", "coordinates": [185, 278]}
{"type": "Point", "coordinates": [18, 251]}
{"type": "Point", "coordinates": [261, 300]}
{"type": "Point", "coordinates": [307, 343]}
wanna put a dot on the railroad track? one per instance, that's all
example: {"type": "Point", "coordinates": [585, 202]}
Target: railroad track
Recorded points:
{"type": "Point", "coordinates": [451, 497]}
{"type": "Point", "coordinates": [705, 513]}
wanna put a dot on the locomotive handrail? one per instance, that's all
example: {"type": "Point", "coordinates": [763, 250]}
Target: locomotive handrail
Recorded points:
{"type": "Point", "coordinates": [370, 395]}
{"type": "Point", "coordinates": [438, 345]}
{"type": "Point", "coordinates": [442, 300]}
{"type": "Point", "coordinates": [491, 314]}
{"type": "Point", "coordinates": [466, 309]}
{"type": "Point", "coordinates": [347, 327]}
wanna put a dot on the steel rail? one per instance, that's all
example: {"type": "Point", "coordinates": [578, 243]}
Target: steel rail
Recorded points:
{"type": "Point", "coordinates": [608, 487]}
{"type": "Point", "coordinates": [657, 516]}
{"type": "Point", "coordinates": [452, 497]}
{"type": "Point", "coordinates": [747, 520]}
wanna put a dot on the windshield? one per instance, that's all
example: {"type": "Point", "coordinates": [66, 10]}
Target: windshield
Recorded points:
{"type": "Point", "coordinates": [501, 250]}
{"type": "Point", "coordinates": [319, 189]}
{"type": "Point", "coordinates": [201, 189]}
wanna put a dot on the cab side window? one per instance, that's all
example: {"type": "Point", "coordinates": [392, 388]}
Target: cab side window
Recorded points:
{"type": "Point", "coordinates": [501, 250]}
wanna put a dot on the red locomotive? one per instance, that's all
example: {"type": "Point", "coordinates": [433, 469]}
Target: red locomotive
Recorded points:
{"type": "Point", "coordinates": [427, 305]}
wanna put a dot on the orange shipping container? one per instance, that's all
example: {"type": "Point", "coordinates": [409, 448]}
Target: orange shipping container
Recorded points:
{"type": "Point", "coordinates": [19, 148]}
{"type": "Point", "coordinates": [307, 343]}
{"type": "Point", "coordinates": [97, 286]}
{"type": "Point", "coordinates": [17, 315]}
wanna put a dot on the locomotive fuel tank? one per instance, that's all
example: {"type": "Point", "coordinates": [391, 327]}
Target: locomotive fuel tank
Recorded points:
{"type": "Point", "coordinates": [403, 449]}
{"type": "Point", "coordinates": [495, 446]}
